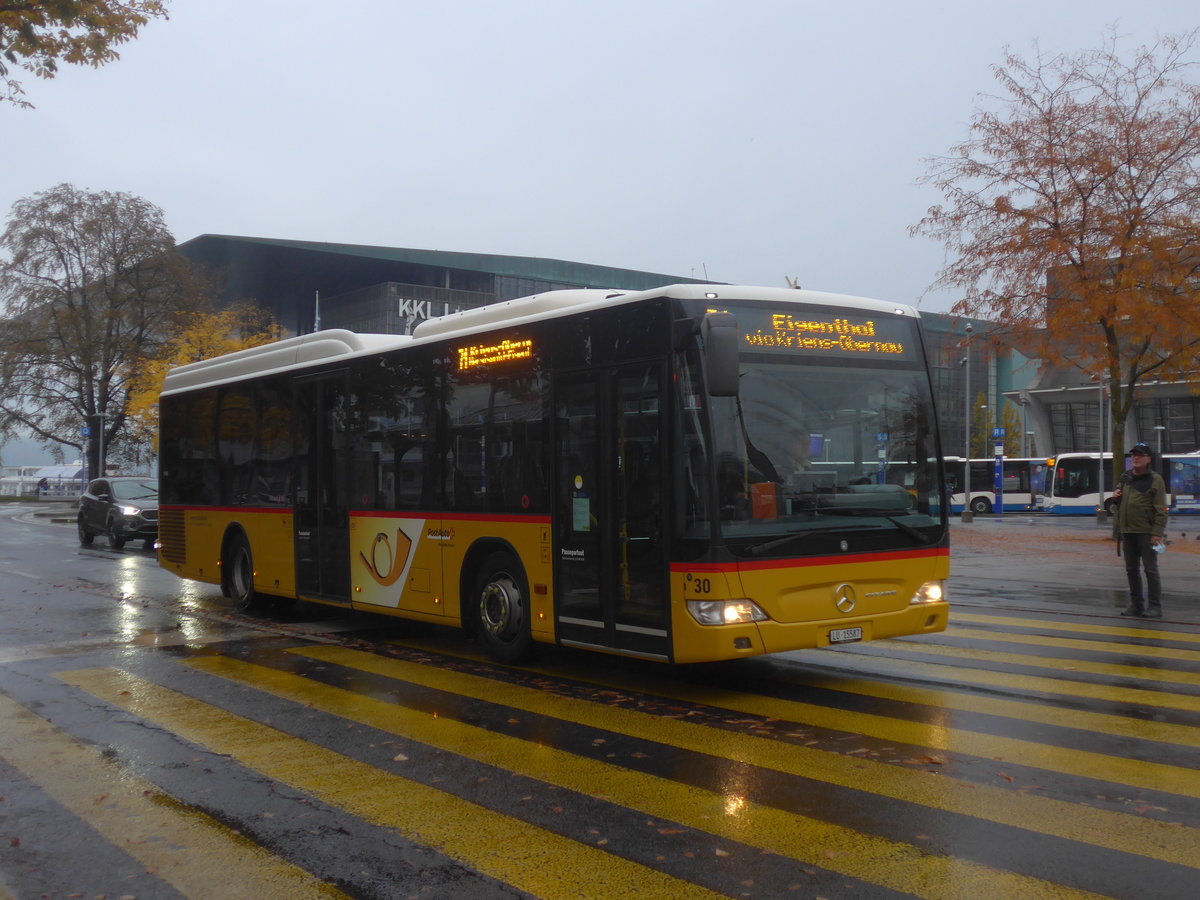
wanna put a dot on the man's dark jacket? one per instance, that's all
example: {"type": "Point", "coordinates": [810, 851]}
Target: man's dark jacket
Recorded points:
{"type": "Point", "coordinates": [1143, 508]}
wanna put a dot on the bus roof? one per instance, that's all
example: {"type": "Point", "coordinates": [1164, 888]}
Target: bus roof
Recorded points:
{"type": "Point", "coordinates": [323, 346]}
{"type": "Point", "coordinates": [285, 354]}
{"type": "Point", "coordinates": [552, 303]}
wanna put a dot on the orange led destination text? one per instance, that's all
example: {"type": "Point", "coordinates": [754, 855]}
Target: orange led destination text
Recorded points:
{"type": "Point", "coordinates": [807, 334]}
{"type": "Point", "coordinates": [487, 354]}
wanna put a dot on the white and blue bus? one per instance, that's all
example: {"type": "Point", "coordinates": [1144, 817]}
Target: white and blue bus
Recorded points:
{"type": "Point", "coordinates": [1072, 487]}
{"type": "Point", "coordinates": [1022, 490]}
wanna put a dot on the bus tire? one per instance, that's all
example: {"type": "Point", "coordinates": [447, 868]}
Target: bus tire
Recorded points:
{"type": "Point", "coordinates": [502, 608]}
{"type": "Point", "coordinates": [981, 505]}
{"type": "Point", "coordinates": [239, 575]}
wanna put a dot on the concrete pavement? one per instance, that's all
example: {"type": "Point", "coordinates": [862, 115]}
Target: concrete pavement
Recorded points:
{"type": "Point", "coordinates": [1065, 564]}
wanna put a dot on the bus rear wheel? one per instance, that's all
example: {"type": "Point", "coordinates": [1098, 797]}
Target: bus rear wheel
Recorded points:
{"type": "Point", "coordinates": [239, 575]}
{"type": "Point", "coordinates": [502, 609]}
{"type": "Point", "coordinates": [981, 506]}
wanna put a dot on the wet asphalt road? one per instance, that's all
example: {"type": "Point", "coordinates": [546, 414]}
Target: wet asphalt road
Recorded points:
{"type": "Point", "coordinates": [155, 744]}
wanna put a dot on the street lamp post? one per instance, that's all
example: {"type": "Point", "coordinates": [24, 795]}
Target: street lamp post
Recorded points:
{"type": "Point", "coordinates": [1026, 444]}
{"type": "Point", "coordinates": [966, 362]}
{"type": "Point", "coordinates": [1159, 429]}
{"type": "Point", "coordinates": [1101, 512]}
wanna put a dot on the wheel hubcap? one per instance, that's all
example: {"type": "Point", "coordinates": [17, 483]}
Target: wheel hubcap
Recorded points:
{"type": "Point", "coordinates": [499, 607]}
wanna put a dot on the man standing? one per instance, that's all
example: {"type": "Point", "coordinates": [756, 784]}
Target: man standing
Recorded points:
{"type": "Point", "coordinates": [1142, 518]}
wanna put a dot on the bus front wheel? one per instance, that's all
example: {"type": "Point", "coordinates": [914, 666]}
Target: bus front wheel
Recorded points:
{"type": "Point", "coordinates": [502, 599]}
{"type": "Point", "coordinates": [239, 575]}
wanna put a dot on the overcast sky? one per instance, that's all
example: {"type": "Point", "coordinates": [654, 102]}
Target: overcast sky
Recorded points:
{"type": "Point", "coordinates": [742, 142]}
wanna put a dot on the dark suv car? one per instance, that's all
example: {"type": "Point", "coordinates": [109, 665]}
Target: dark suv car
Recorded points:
{"type": "Point", "coordinates": [124, 508]}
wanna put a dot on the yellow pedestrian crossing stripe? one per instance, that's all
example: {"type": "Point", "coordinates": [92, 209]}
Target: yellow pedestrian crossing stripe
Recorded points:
{"type": "Point", "coordinates": [897, 866]}
{"type": "Point", "coordinates": [546, 865]}
{"type": "Point", "coordinates": [1076, 627]}
{"type": "Point", "coordinates": [1032, 685]}
{"type": "Point", "coordinates": [178, 845]}
{"type": "Point", "coordinates": [937, 737]}
{"type": "Point", "coordinates": [1065, 643]}
{"type": "Point", "coordinates": [1066, 665]}
{"type": "Point", "coordinates": [962, 720]}
{"type": "Point", "coordinates": [1115, 830]}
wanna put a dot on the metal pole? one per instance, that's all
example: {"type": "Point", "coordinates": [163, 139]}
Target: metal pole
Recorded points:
{"type": "Point", "coordinates": [1101, 512]}
{"type": "Point", "coordinates": [966, 512]}
{"type": "Point", "coordinates": [1101, 420]}
{"type": "Point", "coordinates": [1027, 434]}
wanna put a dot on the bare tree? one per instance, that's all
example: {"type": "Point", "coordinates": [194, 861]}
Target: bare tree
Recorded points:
{"type": "Point", "coordinates": [92, 287]}
{"type": "Point", "coordinates": [1072, 213]}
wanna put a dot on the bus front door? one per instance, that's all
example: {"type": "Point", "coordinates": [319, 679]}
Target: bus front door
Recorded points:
{"type": "Point", "coordinates": [321, 470]}
{"type": "Point", "coordinates": [610, 546]}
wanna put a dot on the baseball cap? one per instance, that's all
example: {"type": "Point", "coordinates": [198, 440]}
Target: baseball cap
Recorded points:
{"type": "Point", "coordinates": [1140, 448]}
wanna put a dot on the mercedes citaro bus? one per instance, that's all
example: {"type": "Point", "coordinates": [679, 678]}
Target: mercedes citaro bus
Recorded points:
{"type": "Point", "coordinates": [691, 473]}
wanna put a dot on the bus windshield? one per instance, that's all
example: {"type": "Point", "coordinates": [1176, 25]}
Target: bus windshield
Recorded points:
{"type": "Point", "coordinates": [826, 447]}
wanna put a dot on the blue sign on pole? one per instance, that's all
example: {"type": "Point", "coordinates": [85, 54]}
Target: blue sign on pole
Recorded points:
{"type": "Point", "coordinates": [85, 431]}
{"type": "Point", "coordinates": [998, 485]}
{"type": "Point", "coordinates": [882, 440]}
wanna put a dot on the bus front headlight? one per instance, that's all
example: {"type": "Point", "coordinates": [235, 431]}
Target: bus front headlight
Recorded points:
{"type": "Point", "coordinates": [725, 612]}
{"type": "Point", "coordinates": [929, 592]}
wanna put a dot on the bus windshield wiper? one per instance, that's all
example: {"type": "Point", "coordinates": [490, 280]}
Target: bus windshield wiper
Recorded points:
{"type": "Point", "coordinates": [760, 549]}
{"type": "Point", "coordinates": [913, 533]}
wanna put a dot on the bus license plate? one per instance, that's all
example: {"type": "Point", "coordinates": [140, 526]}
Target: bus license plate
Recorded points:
{"type": "Point", "coordinates": [845, 635]}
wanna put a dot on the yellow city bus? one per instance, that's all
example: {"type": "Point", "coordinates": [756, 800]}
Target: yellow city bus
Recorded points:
{"type": "Point", "coordinates": [691, 473]}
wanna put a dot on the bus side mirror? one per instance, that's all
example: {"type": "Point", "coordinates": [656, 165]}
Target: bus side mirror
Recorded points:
{"type": "Point", "coordinates": [719, 334]}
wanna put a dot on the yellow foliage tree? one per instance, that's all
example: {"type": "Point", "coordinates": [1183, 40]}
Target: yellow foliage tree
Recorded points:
{"type": "Point", "coordinates": [37, 34]}
{"type": "Point", "coordinates": [1014, 438]}
{"type": "Point", "coordinates": [981, 428]}
{"type": "Point", "coordinates": [1072, 214]}
{"type": "Point", "coordinates": [203, 336]}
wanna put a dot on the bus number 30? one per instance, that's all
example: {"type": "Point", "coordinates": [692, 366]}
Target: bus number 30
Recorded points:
{"type": "Point", "coordinates": [699, 585]}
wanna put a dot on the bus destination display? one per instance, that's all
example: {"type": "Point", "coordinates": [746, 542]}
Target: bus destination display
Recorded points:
{"type": "Point", "coordinates": [826, 335]}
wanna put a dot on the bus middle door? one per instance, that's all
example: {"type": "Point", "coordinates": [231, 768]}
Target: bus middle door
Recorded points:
{"type": "Point", "coordinates": [610, 529]}
{"type": "Point", "coordinates": [322, 499]}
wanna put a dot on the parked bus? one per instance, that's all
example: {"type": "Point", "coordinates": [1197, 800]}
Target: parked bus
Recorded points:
{"type": "Point", "coordinates": [638, 473]}
{"type": "Point", "coordinates": [1181, 471]}
{"type": "Point", "coordinates": [1072, 488]}
{"type": "Point", "coordinates": [1023, 487]}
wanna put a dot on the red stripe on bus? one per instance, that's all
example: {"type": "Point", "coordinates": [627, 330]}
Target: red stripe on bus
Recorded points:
{"type": "Point", "coordinates": [794, 561]}
{"type": "Point", "coordinates": [448, 517]}
{"type": "Point", "coordinates": [229, 509]}
{"type": "Point", "coordinates": [373, 514]}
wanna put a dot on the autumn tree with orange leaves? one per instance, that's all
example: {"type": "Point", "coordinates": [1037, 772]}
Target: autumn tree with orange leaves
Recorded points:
{"type": "Point", "coordinates": [37, 35]}
{"type": "Point", "coordinates": [201, 335]}
{"type": "Point", "coordinates": [1072, 213]}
